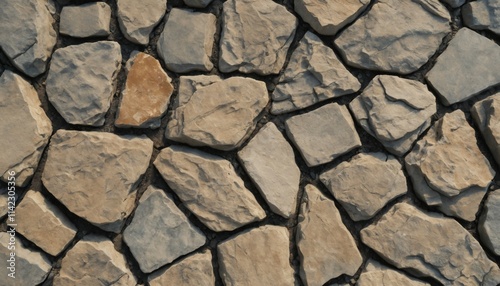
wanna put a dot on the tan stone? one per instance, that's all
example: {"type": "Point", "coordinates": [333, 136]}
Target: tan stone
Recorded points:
{"type": "Point", "coordinates": [376, 274]}
{"type": "Point", "coordinates": [487, 117]}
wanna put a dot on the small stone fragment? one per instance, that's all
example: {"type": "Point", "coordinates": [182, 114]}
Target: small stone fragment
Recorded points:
{"type": "Point", "coordinates": [197, 3]}
{"type": "Point", "coordinates": [4, 201]}
{"type": "Point", "coordinates": [487, 117]}
{"type": "Point", "coordinates": [137, 19]}
{"type": "Point", "coordinates": [376, 274]}
{"type": "Point", "coordinates": [489, 225]}
{"type": "Point", "coordinates": [482, 15]}
{"type": "Point", "coordinates": [454, 3]}
{"type": "Point", "coordinates": [86, 20]}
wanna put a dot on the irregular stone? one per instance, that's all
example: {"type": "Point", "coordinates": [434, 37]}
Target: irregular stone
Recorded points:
{"type": "Point", "coordinates": [86, 20]}
{"type": "Point", "coordinates": [333, 133]}
{"type": "Point", "coordinates": [137, 19]}
{"type": "Point", "coordinates": [256, 35]}
{"type": "Point", "coordinates": [246, 258]}
{"type": "Point", "coordinates": [482, 15]}
{"type": "Point", "coordinates": [447, 168]}
{"type": "Point", "coordinates": [197, 3]}
{"type": "Point", "coordinates": [209, 187]}
{"type": "Point", "coordinates": [430, 245]}
{"type": "Point", "coordinates": [146, 94]}
{"type": "Point", "coordinates": [4, 202]}
{"type": "Point", "coordinates": [168, 232]}
{"type": "Point", "coordinates": [314, 73]}
{"type": "Point", "coordinates": [395, 111]}
{"type": "Point", "coordinates": [326, 248]}
{"type": "Point", "coordinates": [83, 93]}
{"type": "Point", "coordinates": [487, 118]}
{"type": "Point", "coordinates": [270, 162]}
{"type": "Point", "coordinates": [489, 225]}
{"type": "Point", "coordinates": [454, 3]}
{"type": "Point", "coordinates": [26, 34]}
{"type": "Point", "coordinates": [475, 64]}
{"type": "Point", "coordinates": [94, 261]}
{"type": "Point", "coordinates": [361, 200]}
{"type": "Point", "coordinates": [218, 113]}
{"type": "Point", "coordinates": [417, 30]}
{"type": "Point", "coordinates": [195, 270]}
{"type": "Point", "coordinates": [110, 164]}
{"type": "Point", "coordinates": [24, 126]}
{"type": "Point", "coordinates": [376, 274]}
{"type": "Point", "coordinates": [44, 224]}
{"type": "Point", "coordinates": [328, 17]}
{"type": "Point", "coordinates": [187, 41]}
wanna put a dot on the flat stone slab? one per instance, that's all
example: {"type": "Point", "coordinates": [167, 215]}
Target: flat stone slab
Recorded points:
{"type": "Point", "coordinates": [376, 274]}
{"type": "Point", "coordinates": [86, 20]}
{"type": "Point", "coordinates": [489, 225]}
{"type": "Point", "coordinates": [137, 19]}
{"type": "Point", "coordinates": [482, 15]}
{"type": "Point", "coordinates": [487, 119]}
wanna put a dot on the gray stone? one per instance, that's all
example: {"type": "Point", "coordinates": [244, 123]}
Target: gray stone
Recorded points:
{"type": "Point", "coordinates": [376, 274]}
{"type": "Point", "coordinates": [94, 174]}
{"type": "Point", "coordinates": [454, 3]}
{"type": "Point", "coordinates": [197, 3]}
{"type": "Point", "coordinates": [187, 41]}
{"type": "Point", "coordinates": [83, 93]}
{"type": "Point", "coordinates": [489, 224]}
{"type": "Point", "coordinates": [487, 118]}
{"type": "Point", "coordinates": [24, 126]}
{"type": "Point", "coordinates": [417, 29]}
{"type": "Point", "coordinates": [209, 187]}
{"type": "Point", "coordinates": [256, 35]}
{"type": "Point", "coordinates": [333, 134]}
{"type": "Point", "coordinates": [137, 19]}
{"type": "Point", "coordinates": [87, 20]}
{"type": "Point", "coordinates": [314, 73]}
{"type": "Point", "coordinates": [482, 15]}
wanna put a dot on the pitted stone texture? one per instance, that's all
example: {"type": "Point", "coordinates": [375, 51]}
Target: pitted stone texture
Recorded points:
{"type": "Point", "coordinates": [489, 224]}
{"type": "Point", "coordinates": [395, 111]}
{"type": "Point", "coordinates": [246, 259]}
{"type": "Point", "coordinates": [94, 174]}
{"type": "Point", "coordinates": [26, 34]}
{"type": "Point", "coordinates": [187, 41]}
{"type": "Point", "coordinates": [376, 274]}
{"type": "Point", "coordinates": [82, 94]}
{"type": "Point", "coordinates": [454, 3]}
{"type": "Point", "coordinates": [197, 3]}
{"type": "Point", "coordinates": [94, 261]}
{"type": "Point", "coordinates": [326, 248]}
{"type": "Point", "coordinates": [159, 232]}
{"type": "Point", "coordinates": [313, 74]}
{"type": "Point", "coordinates": [86, 20]}
{"type": "Point", "coordinates": [24, 126]}
{"type": "Point", "coordinates": [209, 186]}
{"type": "Point", "coordinates": [447, 168]}
{"type": "Point", "coordinates": [137, 19]}
{"type": "Point", "coordinates": [44, 224]}
{"type": "Point", "coordinates": [146, 94]}
{"type": "Point", "coordinates": [430, 245]}
{"type": "Point", "coordinates": [364, 185]}
{"type": "Point", "coordinates": [333, 133]}
{"type": "Point", "coordinates": [218, 113]}
{"type": "Point", "coordinates": [486, 114]}
{"type": "Point", "coordinates": [482, 15]}
{"type": "Point", "coordinates": [328, 17]}
{"type": "Point", "coordinates": [469, 65]}
{"type": "Point", "coordinates": [256, 35]}
{"type": "Point", "coordinates": [416, 31]}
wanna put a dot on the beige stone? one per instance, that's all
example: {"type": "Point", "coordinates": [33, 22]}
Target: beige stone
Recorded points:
{"type": "Point", "coordinates": [86, 20]}
{"type": "Point", "coordinates": [487, 117]}
{"type": "Point", "coordinates": [376, 274]}
{"type": "Point", "coordinates": [137, 19]}
{"type": "Point", "coordinates": [489, 224]}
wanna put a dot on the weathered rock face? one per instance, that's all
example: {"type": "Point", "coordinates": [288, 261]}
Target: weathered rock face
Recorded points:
{"type": "Point", "coordinates": [445, 251]}
{"type": "Point", "coordinates": [26, 34]}
{"type": "Point", "coordinates": [187, 41]}
{"type": "Point", "coordinates": [23, 120]}
{"type": "Point", "coordinates": [314, 73]}
{"type": "Point", "coordinates": [4, 202]}
{"type": "Point", "coordinates": [160, 232]}
{"type": "Point", "coordinates": [146, 94]}
{"type": "Point", "coordinates": [94, 261]}
{"type": "Point", "coordinates": [489, 225]}
{"type": "Point", "coordinates": [209, 186]}
{"type": "Point", "coordinates": [86, 20]}
{"type": "Point", "coordinates": [395, 111]}
{"type": "Point", "coordinates": [256, 35]}
{"type": "Point", "coordinates": [110, 164]}
{"type": "Point", "coordinates": [247, 258]}
{"type": "Point", "coordinates": [326, 248]}
{"type": "Point", "coordinates": [417, 28]}
{"type": "Point", "coordinates": [376, 274]}
{"type": "Point", "coordinates": [364, 185]}
{"type": "Point", "coordinates": [137, 19]}
{"type": "Point", "coordinates": [82, 94]}
{"type": "Point", "coordinates": [218, 113]}
{"type": "Point", "coordinates": [197, 3]}
{"type": "Point", "coordinates": [487, 117]}
{"type": "Point", "coordinates": [482, 15]}
{"type": "Point", "coordinates": [475, 62]}
{"type": "Point", "coordinates": [447, 168]}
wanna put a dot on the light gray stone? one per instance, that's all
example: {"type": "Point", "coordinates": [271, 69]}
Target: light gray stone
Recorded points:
{"type": "Point", "coordinates": [197, 3]}
{"type": "Point", "coordinates": [137, 19]}
{"type": "Point", "coordinates": [454, 3]}
{"type": "Point", "coordinates": [482, 15]}
{"type": "Point", "coordinates": [86, 20]}
{"type": "Point", "coordinates": [376, 274]}
{"type": "Point", "coordinates": [487, 118]}
{"type": "Point", "coordinates": [489, 224]}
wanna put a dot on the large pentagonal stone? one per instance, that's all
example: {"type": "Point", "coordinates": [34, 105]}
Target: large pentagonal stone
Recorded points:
{"type": "Point", "coordinates": [137, 19]}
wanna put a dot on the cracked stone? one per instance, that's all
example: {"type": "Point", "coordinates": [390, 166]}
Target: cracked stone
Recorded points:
{"type": "Point", "coordinates": [137, 19]}
{"type": "Point", "coordinates": [482, 15]}
{"type": "Point", "coordinates": [86, 20]}
{"type": "Point", "coordinates": [376, 274]}
{"type": "Point", "coordinates": [487, 118]}
{"type": "Point", "coordinates": [489, 225]}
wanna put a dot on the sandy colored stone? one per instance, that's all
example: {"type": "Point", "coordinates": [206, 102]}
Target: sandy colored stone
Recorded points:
{"type": "Point", "coordinates": [137, 19]}
{"type": "Point", "coordinates": [376, 274]}
{"type": "Point", "coordinates": [86, 20]}
{"type": "Point", "coordinates": [487, 117]}
{"type": "Point", "coordinates": [489, 224]}
{"type": "Point", "coordinates": [482, 15]}
{"type": "Point", "coordinates": [197, 3]}
{"type": "Point", "coordinates": [4, 201]}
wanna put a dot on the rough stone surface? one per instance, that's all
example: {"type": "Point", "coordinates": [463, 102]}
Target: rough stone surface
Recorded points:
{"type": "Point", "coordinates": [395, 111]}
{"type": "Point", "coordinates": [445, 251]}
{"type": "Point", "coordinates": [482, 15]}
{"type": "Point", "coordinates": [187, 41]}
{"type": "Point", "coordinates": [245, 260]}
{"type": "Point", "coordinates": [4, 202]}
{"type": "Point", "coordinates": [111, 164]}
{"type": "Point", "coordinates": [454, 3]}
{"type": "Point", "coordinates": [417, 29]}
{"type": "Point", "coordinates": [26, 34]}
{"type": "Point", "coordinates": [333, 133]}
{"type": "Point", "coordinates": [87, 20]}
{"type": "Point", "coordinates": [447, 168]}
{"type": "Point", "coordinates": [364, 185]}
{"type": "Point", "coordinates": [469, 65]}
{"type": "Point", "coordinates": [376, 274]}
{"type": "Point", "coordinates": [256, 35]}
{"type": "Point", "coordinates": [197, 3]}
{"type": "Point", "coordinates": [218, 113]}
{"type": "Point", "coordinates": [146, 94]}
{"type": "Point", "coordinates": [209, 186]}
{"type": "Point", "coordinates": [82, 94]}
{"type": "Point", "coordinates": [137, 19]}
{"type": "Point", "coordinates": [489, 224]}
{"type": "Point", "coordinates": [314, 73]}
{"type": "Point", "coordinates": [160, 232]}
{"type": "Point", "coordinates": [487, 118]}
{"type": "Point", "coordinates": [326, 248]}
